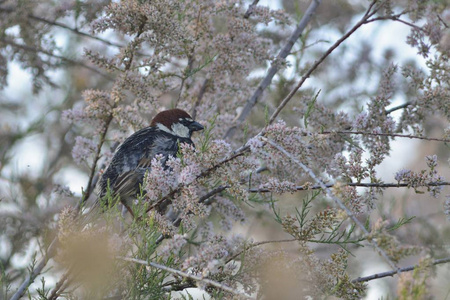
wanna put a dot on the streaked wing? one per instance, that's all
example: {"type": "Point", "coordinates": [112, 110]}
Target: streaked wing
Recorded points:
{"type": "Point", "coordinates": [127, 184]}
{"type": "Point", "coordinates": [145, 162]}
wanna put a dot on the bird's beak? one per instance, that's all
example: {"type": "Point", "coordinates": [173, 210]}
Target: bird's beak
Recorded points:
{"type": "Point", "coordinates": [195, 126]}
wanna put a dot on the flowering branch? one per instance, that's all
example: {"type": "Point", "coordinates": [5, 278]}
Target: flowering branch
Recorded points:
{"type": "Point", "coordinates": [186, 275]}
{"type": "Point", "coordinates": [335, 199]}
{"type": "Point", "coordinates": [306, 187]}
{"type": "Point", "coordinates": [203, 199]}
{"type": "Point", "coordinates": [110, 117]}
{"type": "Point", "coordinates": [284, 52]}
{"type": "Point", "coordinates": [401, 270]}
{"type": "Point", "coordinates": [237, 153]}
{"type": "Point", "coordinates": [89, 186]}
{"type": "Point", "coordinates": [85, 196]}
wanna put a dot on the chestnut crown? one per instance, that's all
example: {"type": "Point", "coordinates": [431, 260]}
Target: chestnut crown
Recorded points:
{"type": "Point", "coordinates": [176, 122]}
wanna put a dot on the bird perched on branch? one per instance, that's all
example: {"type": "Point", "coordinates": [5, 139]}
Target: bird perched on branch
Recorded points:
{"type": "Point", "coordinates": [133, 157]}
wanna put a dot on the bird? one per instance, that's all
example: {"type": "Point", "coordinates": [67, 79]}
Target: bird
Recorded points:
{"type": "Point", "coordinates": [132, 159]}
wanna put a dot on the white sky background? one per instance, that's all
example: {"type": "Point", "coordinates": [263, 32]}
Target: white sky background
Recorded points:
{"type": "Point", "coordinates": [29, 154]}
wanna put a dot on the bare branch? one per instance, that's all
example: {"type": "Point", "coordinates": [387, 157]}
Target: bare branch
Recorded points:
{"type": "Point", "coordinates": [250, 9]}
{"type": "Point", "coordinates": [387, 134]}
{"type": "Point", "coordinates": [401, 106]}
{"type": "Point", "coordinates": [35, 272]}
{"type": "Point", "coordinates": [355, 184]}
{"type": "Point", "coordinates": [401, 270]}
{"type": "Point", "coordinates": [285, 101]}
{"type": "Point", "coordinates": [397, 19]}
{"type": "Point", "coordinates": [284, 52]}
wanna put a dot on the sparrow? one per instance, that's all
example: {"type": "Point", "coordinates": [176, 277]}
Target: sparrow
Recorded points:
{"type": "Point", "coordinates": [133, 157]}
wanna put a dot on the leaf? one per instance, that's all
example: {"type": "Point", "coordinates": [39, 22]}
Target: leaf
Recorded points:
{"type": "Point", "coordinates": [207, 134]}
{"type": "Point", "coordinates": [310, 108]}
{"type": "Point", "coordinates": [401, 222]}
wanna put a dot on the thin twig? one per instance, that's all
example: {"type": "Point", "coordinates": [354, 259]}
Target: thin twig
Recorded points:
{"type": "Point", "coordinates": [186, 275]}
{"type": "Point", "coordinates": [199, 98]}
{"type": "Point", "coordinates": [396, 18]}
{"type": "Point", "coordinates": [335, 199]}
{"type": "Point", "coordinates": [443, 22]}
{"type": "Point", "coordinates": [284, 52]}
{"type": "Point", "coordinates": [186, 74]}
{"type": "Point", "coordinates": [401, 270]}
{"type": "Point", "coordinates": [285, 101]}
{"type": "Point", "coordinates": [250, 9]}
{"type": "Point", "coordinates": [89, 186]}
{"type": "Point", "coordinates": [191, 59]}
{"type": "Point", "coordinates": [409, 136]}
{"type": "Point", "coordinates": [401, 106]}
{"type": "Point", "coordinates": [48, 53]}
{"type": "Point", "coordinates": [387, 134]}
{"type": "Point", "coordinates": [108, 121]}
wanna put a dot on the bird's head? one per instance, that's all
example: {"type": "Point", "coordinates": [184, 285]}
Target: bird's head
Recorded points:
{"type": "Point", "coordinates": [177, 122]}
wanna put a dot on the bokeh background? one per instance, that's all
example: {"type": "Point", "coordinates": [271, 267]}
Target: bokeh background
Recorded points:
{"type": "Point", "coordinates": [36, 142]}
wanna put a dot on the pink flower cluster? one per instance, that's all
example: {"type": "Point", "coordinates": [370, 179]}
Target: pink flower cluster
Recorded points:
{"type": "Point", "coordinates": [212, 254]}
{"type": "Point", "coordinates": [83, 150]}
{"type": "Point", "coordinates": [279, 187]}
{"type": "Point", "coordinates": [422, 178]}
